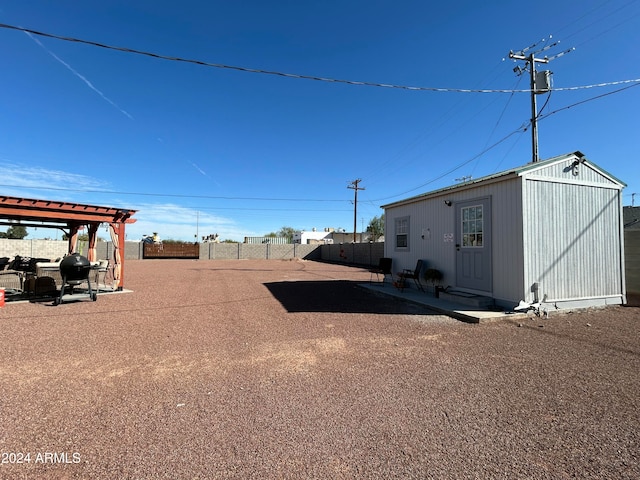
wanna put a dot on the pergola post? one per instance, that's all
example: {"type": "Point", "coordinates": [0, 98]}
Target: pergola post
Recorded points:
{"type": "Point", "coordinates": [93, 237]}
{"type": "Point", "coordinates": [117, 238]}
{"type": "Point", "coordinates": [73, 237]}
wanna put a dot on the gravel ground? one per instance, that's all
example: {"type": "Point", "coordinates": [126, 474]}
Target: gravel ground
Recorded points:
{"type": "Point", "coordinates": [287, 369]}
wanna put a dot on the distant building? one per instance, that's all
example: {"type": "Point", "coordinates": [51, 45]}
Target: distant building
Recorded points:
{"type": "Point", "coordinates": [271, 240]}
{"type": "Point", "coordinates": [331, 236]}
{"type": "Point", "coordinates": [361, 237]}
{"type": "Point", "coordinates": [314, 237]}
{"type": "Point", "coordinates": [211, 238]}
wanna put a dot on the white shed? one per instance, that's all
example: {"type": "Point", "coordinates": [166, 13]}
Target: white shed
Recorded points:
{"type": "Point", "coordinates": [550, 231]}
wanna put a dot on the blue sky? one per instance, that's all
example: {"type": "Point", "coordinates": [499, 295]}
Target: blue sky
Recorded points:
{"type": "Point", "coordinates": [200, 149]}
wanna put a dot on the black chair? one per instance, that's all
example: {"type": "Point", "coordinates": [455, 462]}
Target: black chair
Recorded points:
{"type": "Point", "coordinates": [411, 274]}
{"type": "Point", "coordinates": [383, 268]}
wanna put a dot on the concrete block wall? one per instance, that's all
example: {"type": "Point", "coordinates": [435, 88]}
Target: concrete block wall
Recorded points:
{"type": "Point", "coordinates": [366, 254]}
{"type": "Point", "coordinates": [50, 249]}
{"type": "Point", "coordinates": [53, 249]}
{"type": "Point", "coordinates": [227, 251]}
{"type": "Point", "coordinates": [286, 251]}
{"type": "Point", "coordinates": [235, 251]}
{"type": "Point", "coordinates": [248, 251]}
{"type": "Point", "coordinates": [356, 254]}
{"type": "Point", "coordinates": [224, 251]}
{"type": "Point", "coordinates": [363, 254]}
{"type": "Point", "coordinates": [132, 250]}
{"type": "Point", "coordinates": [309, 252]}
{"type": "Point", "coordinates": [632, 260]}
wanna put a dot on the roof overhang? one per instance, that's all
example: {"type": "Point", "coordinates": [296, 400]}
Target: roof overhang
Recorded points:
{"type": "Point", "coordinates": [501, 176]}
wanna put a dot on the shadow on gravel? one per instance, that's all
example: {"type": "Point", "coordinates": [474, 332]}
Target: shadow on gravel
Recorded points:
{"type": "Point", "coordinates": [338, 296]}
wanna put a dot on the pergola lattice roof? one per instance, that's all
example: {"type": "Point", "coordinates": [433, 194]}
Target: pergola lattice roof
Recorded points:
{"type": "Point", "coordinates": [28, 212]}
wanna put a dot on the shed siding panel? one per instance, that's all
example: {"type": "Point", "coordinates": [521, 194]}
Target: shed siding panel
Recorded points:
{"type": "Point", "coordinates": [508, 260]}
{"type": "Point", "coordinates": [572, 248]}
{"type": "Point", "coordinates": [430, 219]}
{"type": "Point", "coordinates": [434, 220]}
{"type": "Point", "coordinates": [507, 240]}
{"type": "Point", "coordinates": [563, 171]}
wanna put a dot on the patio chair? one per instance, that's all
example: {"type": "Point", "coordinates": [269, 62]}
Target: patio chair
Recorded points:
{"type": "Point", "coordinates": [411, 274]}
{"type": "Point", "coordinates": [12, 280]}
{"type": "Point", "coordinates": [100, 267]}
{"type": "Point", "coordinates": [383, 268]}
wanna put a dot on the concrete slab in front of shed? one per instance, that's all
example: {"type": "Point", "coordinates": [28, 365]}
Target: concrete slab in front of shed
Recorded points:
{"type": "Point", "coordinates": [451, 306]}
{"type": "Point", "coordinates": [465, 298]}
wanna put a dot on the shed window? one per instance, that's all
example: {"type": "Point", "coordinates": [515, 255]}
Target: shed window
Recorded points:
{"type": "Point", "coordinates": [472, 226]}
{"type": "Point", "coordinates": [402, 232]}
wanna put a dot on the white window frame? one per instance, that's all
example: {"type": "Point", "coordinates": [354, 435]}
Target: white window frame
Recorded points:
{"type": "Point", "coordinates": [401, 233]}
{"type": "Point", "coordinates": [472, 229]}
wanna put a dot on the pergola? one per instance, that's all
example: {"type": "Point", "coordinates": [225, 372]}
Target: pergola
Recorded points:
{"type": "Point", "coordinates": [70, 218]}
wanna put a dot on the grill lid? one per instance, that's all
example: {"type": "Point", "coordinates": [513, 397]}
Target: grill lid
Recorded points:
{"type": "Point", "coordinates": [75, 267]}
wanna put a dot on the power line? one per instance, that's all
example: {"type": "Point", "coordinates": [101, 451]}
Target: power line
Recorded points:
{"type": "Point", "coordinates": [504, 109]}
{"type": "Point", "coordinates": [253, 209]}
{"type": "Point", "coordinates": [522, 129]}
{"type": "Point", "coordinates": [633, 82]}
{"type": "Point", "coordinates": [599, 20]}
{"type": "Point", "coordinates": [440, 121]}
{"type": "Point", "coordinates": [174, 195]}
{"type": "Point", "coordinates": [448, 172]}
{"type": "Point", "coordinates": [542, 117]}
{"type": "Point", "coordinates": [294, 75]}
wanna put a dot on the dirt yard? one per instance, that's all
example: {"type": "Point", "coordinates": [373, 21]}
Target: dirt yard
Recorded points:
{"type": "Point", "coordinates": [288, 369]}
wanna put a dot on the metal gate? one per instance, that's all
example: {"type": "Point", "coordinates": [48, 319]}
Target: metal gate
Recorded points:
{"type": "Point", "coordinates": [171, 250]}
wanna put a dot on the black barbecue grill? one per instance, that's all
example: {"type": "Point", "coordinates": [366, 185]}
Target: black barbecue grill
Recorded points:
{"type": "Point", "coordinates": [75, 270]}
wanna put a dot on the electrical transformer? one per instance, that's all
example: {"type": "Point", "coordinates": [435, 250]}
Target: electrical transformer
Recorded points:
{"type": "Point", "coordinates": [543, 81]}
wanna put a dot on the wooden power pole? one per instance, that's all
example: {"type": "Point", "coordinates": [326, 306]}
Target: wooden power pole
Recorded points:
{"type": "Point", "coordinates": [354, 186]}
{"type": "Point", "coordinates": [540, 83]}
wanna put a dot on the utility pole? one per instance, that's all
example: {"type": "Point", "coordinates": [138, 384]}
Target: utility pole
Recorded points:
{"type": "Point", "coordinates": [540, 82]}
{"type": "Point", "coordinates": [354, 186]}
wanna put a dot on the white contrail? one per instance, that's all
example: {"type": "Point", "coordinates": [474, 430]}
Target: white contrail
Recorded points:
{"type": "Point", "coordinates": [81, 77]}
{"type": "Point", "coordinates": [202, 172]}
{"type": "Point", "coordinates": [199, 169]}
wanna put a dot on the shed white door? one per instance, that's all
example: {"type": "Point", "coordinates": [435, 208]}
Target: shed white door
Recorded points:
{"type": "Point", "coordinates": [473, 244]}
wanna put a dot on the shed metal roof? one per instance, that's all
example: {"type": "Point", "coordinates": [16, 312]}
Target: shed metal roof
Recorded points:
{"type": "Point", "coordinates": [513, 172]}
